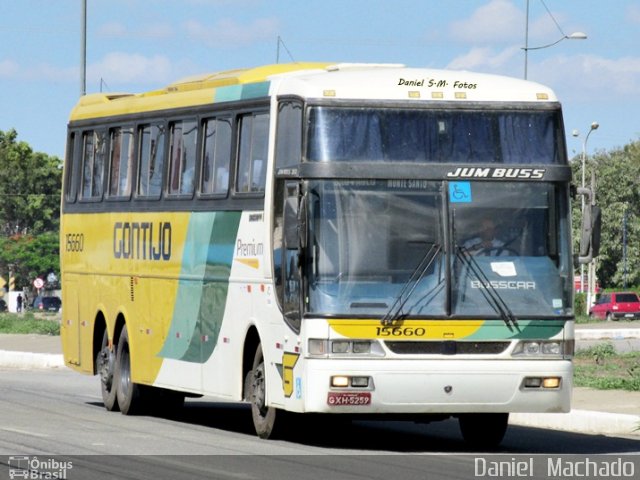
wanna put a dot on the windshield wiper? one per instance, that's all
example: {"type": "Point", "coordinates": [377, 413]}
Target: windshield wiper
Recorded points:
{"type": "Point", "coordinates": [490, 294]}
{"type": "Point", "coordinates": [395, 311]}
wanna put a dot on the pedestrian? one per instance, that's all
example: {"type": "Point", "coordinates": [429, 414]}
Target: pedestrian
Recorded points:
{"type": "Point", "coordinates": [19, 303]}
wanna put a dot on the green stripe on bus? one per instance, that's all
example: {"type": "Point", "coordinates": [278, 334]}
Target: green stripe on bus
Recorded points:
{"type": "Point", "coordinates": [241, 92]}
{"type": "Point", "coordinates": [202, 292]}
{"type": "Point", "coordinates": [525, 329]}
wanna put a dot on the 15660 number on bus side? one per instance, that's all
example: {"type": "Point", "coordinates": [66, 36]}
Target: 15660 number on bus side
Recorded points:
{"type": "Point", "coordinates": [74, 242]}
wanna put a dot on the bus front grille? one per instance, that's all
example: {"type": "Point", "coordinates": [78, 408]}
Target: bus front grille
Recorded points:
{"type": "Point", "coordinates": [447, 347]}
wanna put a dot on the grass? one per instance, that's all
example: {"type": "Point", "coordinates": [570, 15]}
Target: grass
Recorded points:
{"type": "Point", "coordinates": [43, 324]}
{"type": "Point", "coordinates": [584, 319]}
{"type": "Point", "coordinates": [602, 368]}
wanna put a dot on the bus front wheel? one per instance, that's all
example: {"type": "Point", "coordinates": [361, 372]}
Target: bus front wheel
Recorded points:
{"type": "Point", "coordinates": [106, 364]}
{"type": "Point", "coordinates": [130, 395]}
{"type": "Point", "coordinates": [484, 430]}
{"type": "Point", "coordinates": [264, 417]}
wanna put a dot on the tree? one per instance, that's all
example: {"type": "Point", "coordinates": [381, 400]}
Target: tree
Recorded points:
{"type": "Point", "coordinates": [617, 190]}
{"type": "Point", "coordinates": [29, 188]}
{"type": "Point", "coordinates": [30, 256]}
{"type": "Point", "coordinates": [30, 184]}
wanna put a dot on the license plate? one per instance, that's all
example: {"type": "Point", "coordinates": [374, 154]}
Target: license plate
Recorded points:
{"type": "Point", "coordinates": [349, 399]}
{"type": "Point", "coordinates": [629, 315]}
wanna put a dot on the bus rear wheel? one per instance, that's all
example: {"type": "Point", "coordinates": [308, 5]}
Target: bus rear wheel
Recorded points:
{"type": "Point", "coordinates": [130, 395]}
{"type": "Point", "coordinates": [264, 417]}
{"type": "Point", "coordinates": [105, 366]}
{"type": "Point", "coordinates": [484, 430]}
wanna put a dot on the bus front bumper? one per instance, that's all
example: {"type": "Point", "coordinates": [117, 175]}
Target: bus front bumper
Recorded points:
{"type": "Point", "coordinates": [437, 386]}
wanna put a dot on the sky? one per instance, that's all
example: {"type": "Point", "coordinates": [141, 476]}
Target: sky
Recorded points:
{"type": "Point", "coordinates": [139, 45]}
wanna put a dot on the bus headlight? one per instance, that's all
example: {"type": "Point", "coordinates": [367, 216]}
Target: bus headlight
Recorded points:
{"type": "Point", "coordinates": [544, 348]}
{"type": "Point", "coordinates": [340, 346]}
{"type": "Point", "coordinates": [344, 348]}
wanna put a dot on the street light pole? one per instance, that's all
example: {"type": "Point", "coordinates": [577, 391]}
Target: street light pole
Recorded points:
{"type": "Point", "coordinates": [526, 41]}
{"type": "Point", "coordinates": [594, 126]}
{"type": "Point", "coordinates": [83, 49]}
{"type": "Point", "coordinates": [526, 48]}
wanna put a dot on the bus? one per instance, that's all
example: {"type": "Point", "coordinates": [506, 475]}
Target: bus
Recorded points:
{"type": "Point", "coordinates": [303, 237]}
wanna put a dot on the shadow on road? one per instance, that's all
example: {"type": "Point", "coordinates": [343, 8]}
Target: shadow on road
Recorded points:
{"type": "Point", "coordinates": [395, 436]}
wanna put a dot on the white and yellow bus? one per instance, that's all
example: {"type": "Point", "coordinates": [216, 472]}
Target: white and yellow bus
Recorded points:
{"type": "Point", "coordinates": [306, 237]}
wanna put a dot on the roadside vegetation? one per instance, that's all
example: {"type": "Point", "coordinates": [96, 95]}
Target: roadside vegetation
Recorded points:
{"type": "Point", "coordinates": [42, 324]}
{"type": "Point", "coordinates": [601, 367]}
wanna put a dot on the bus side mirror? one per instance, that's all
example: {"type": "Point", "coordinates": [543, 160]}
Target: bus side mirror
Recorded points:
{"type": "Point", "coordinates": [590, 231]}
{"type": "Point", "coordinates": [295, 223]}
{"type": "Point", "coordinates": [291, 239]}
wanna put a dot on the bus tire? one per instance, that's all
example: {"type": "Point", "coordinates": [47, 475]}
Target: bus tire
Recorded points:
{"type": "Point", "coordinates": [105, 367]}
{"type": "Point", "coordinates": [485, 430]}
{"type": "Point", "coordinates": [130, 395]}
{"type": "Point", "coordinates": [264, 417]}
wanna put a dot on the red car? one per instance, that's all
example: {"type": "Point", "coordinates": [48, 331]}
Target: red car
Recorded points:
{"type": "Point", "coordinates": [616, 306]}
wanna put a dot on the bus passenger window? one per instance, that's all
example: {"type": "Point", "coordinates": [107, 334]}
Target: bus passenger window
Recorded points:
{"type": "Point", "coordinates": [252, 156]}
{"type": "Point", "coordinates": [93, 159]}
{"type": "Point", "coordinates": [216, 156]}
{"type": "Point", "coordinates": [121, 161]}
{"type": "Point", "coordinates": [182, 168]}
{"type": "Point", "coordinates": [151, 160]}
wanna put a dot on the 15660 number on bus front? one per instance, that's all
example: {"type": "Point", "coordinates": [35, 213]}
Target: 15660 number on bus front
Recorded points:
{"type": "Point", "coordinates": [401, 331]}
{"type": "Point", "coordinates": [74, 242]}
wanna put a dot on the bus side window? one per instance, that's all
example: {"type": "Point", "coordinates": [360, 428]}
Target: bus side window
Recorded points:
{"type": "Point", "coordinates": [216, 156]}
{"type": "Point", "coordinates": [93, 160]}
{"type": "Point", "coordinates": [289, 134]}
{"type": "Point", "coordinates": [252, 155]}
{"type": "Point", "coordinates": [151, 160]}
{"type": "Point", "coordinates": [71, 169]}
{"type": "Point", "coordinates": [182, 167]}
{"type": "Point", "coordinates": [121, 162]}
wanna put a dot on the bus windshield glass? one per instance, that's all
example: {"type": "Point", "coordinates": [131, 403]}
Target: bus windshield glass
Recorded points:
{"type": "Point", "coordinates": [406, 247]}
{"type": "Point", "coordinates": [349, 134]}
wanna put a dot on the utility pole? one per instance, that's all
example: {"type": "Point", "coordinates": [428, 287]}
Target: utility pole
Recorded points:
{"type": "Point", "coordinates": [83, 49]}
{"type": "Point", "coordinates": [624, 246]}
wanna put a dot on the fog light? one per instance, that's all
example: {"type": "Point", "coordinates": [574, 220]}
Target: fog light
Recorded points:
{"type": "Point", "coordinates": [361, 382]}
{"type": "Point", "coordinates": [532, 382]}
{"type": "Point", "coordinates": [340, 381]}
{"type": "Point", "coordinates": [551, 382]}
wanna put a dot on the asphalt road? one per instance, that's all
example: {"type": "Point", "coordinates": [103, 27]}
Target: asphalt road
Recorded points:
{"type": "Point", "coordinates": [59, 413]}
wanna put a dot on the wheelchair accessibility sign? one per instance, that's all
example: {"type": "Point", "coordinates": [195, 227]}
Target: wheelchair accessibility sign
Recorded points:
{"type": "Point", "coordinates": [460, 192]}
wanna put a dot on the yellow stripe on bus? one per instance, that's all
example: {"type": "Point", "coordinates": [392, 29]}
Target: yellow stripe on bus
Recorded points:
{"type": "Point", "coordinates": [407, 329]}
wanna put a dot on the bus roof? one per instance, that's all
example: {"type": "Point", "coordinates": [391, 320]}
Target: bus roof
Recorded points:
{"type": "Point", "coordinates": [318, 80]}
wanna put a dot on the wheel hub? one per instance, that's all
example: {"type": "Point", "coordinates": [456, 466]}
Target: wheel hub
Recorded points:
{"type": "Point", "coordinates": [106, 366]}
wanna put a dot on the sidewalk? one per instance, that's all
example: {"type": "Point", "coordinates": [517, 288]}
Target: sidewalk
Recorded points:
{"type": "Point", "coordinates": [602, 412]}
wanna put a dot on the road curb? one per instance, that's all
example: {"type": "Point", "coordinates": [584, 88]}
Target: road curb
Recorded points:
{"type": "Point", "coordinates": [607, 333]}
{"type": "Point", "coordinates": [583, 421]}
{"type": "Point", "coordinates": [27, 360]}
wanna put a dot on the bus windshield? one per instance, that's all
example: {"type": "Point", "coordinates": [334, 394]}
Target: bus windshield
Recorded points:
{"type": "Point", "coordinates": [341, 134]}
{"type": "Point", "coordinates": [380, 245]}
